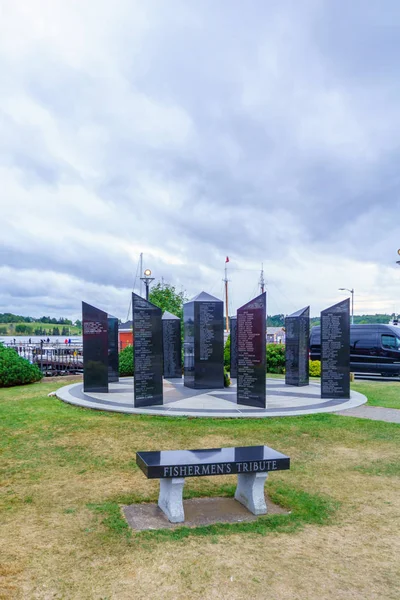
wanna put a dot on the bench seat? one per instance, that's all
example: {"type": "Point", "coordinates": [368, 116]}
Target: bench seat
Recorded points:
{"type": "Point", "coordinates": [251, 463]}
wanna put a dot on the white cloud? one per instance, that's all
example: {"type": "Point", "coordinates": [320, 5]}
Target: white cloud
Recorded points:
{"type": "Point", "coordinates": [192, 131]}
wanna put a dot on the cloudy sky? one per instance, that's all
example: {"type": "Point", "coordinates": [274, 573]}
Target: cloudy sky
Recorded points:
{"type": "Point", "coordinates": [192, 130]}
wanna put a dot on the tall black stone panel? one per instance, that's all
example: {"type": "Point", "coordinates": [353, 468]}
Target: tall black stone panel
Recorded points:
{"type": "Point", "coordinates": [251, 352]}
{"type": "Point", "coordinates": [297, 349]}
{"type": "Point", "coordinates": [172, 345]}
{"type": "Point", "coordinates": [335, 351]}
{"type": "Point", "coordinates": [95, 349]}
{"type": "Point", "coordinates": [148, 362]}
{"type": "Point", "coordinates": [204, 342]}
{"type": "Point", "coordinates": [233, 365]}
{"type": "Point", "coordinates": [113, 359]}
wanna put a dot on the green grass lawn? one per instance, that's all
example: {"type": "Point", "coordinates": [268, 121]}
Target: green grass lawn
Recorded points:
{"type": "Point", "coordinates": [66, 471]}
{"type": "Point", "coordinates": [36, 325]}
{"type": "Point", "coordinates": [379, 393]}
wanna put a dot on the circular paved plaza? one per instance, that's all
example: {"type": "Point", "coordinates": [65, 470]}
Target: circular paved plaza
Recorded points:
{"type": "Point", "coordinates": [282, 400]}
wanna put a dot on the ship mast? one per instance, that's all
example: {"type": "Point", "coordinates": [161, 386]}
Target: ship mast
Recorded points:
{"type": "Point", "coordinates": [226, 280]}
{"type": "Point", "coordinates": [262, 281]}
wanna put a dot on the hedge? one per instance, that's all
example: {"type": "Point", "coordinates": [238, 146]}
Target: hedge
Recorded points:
{"type": "Point", "coordinates": [126, 362]}
{"type": "Point", "coordinates": [15, 370]}
{"type": "Point", "coordinates": [315, 368]}
{"type": "Point", "coordinates": [275, 358]}
{"type": "Point", "coordinates": [227, 354]}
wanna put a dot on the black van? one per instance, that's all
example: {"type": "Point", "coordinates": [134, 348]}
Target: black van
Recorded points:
{"type": "Point", "coordinates": [374, 348]}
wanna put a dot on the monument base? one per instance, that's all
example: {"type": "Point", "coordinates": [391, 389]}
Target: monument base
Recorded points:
{"type": "Point", "coordinates": [193, 385]}
{"type": "Point", "coordinates": [181, 401]}
{"type": "Point", "coordinates": [198, 512]}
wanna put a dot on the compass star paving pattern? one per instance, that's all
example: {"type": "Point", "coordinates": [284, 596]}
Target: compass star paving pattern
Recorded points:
{"type": "Point", "coordinates": [182, 401]}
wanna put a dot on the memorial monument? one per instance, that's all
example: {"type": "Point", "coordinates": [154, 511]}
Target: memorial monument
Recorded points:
{"type": "Point", "coordinates": [113, 359]}
{"type": "Point", "coordinates": [204, 342]}
{"type": "Point", "coordinates": [251, 352]}
{"type": "Point", "coordinates": [148, 362]}
{"type": "Point", "coordinates": [297, 349]}
{"type": "Point", "coordinates": [233, 359]}
{"type": "Point", "coordinates": [95, 349]}
{"type": "Point", "coordinates": [335, 351]}
{"type": "Point", "coordinates": [172, 345]}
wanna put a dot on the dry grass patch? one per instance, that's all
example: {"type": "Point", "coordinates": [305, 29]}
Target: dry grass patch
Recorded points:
{"type": "Point", "coordinates": [65, 471]}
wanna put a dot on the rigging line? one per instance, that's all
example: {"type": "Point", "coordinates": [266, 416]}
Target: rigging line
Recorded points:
{"type": "Point", "coordinates": [230, 303]}
{"type": "Point", "coordinates": [254, 293]}
{"type": "Point", "coordinates": [214, 285]}
{"type": "Point", "coordinates": [284, 295]}
{"type": "Point", "coordinates": [136, 276]}
{"type": "Point", "coordinates": [222, 291]}
{"type": "Point", "coordinates": [237, 269]}
{"type": "Point", "coordinates": [134, 286]}
{"type": "Point", "coordinates": [129, 310]}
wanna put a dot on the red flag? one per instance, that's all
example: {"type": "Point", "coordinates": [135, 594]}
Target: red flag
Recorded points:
{"type": "Point", "coordinates": [227, 259]}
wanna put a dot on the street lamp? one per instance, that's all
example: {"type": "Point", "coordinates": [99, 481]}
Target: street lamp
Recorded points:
{"type": "Point", "coordinates": [352, 302]}
{"type": "Point", "coordinates": [147, 280]}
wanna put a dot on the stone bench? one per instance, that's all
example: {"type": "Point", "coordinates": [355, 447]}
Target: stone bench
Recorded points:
{"type": "Point", "coordinates": [251, 464]}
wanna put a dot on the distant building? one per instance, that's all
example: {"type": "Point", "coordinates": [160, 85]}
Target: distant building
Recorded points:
{"type": "Point", "coordinates": [125, 335]}
{"type": "Point", "coordinates": [276, 335]}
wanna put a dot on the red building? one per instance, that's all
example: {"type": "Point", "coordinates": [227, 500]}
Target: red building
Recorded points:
{"type": "Point", "coordinates": [125, 335]}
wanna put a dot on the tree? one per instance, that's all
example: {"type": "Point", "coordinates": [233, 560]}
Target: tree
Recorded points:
{"type": "Point", "coordinates": [227, 354]}
{"type": "Point", "coordinates": [167, 298]}
{"type": "Point", "coordinates": [20, 328]}
{"type": "Point", "coordinates": [276, 320]}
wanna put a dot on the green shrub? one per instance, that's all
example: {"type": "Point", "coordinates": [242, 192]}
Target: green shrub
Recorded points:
{"type": "Point", "coordinates": [227, 379]}
{"type": "Point", "coordinates": [227, 354]}
{"type": "Point", "coordinates": [15, 370]}
{"type": "Point", "coordinates": [126, 362]}
{"type": "Point", "coordinates": [275, 358]}
{"type": "Point", "coordinates": [315, 368]}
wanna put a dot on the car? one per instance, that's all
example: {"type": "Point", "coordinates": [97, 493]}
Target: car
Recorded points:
{"type": "Point", "coordinates": [374, 348]}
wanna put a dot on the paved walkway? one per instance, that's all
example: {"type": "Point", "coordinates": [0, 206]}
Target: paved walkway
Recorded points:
{"type": "Point", "coordinates": [376, 413]}
{"type": "Point", "coordinates": [282, 400]}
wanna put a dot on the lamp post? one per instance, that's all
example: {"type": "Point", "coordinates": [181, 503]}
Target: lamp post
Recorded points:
{"type": "Point", "coordinates": [147, 280]}
{"type": "Point", "coordinates": [352, 302]}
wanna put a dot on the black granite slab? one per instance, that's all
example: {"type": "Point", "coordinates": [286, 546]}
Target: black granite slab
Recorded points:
{"type": "Point", "coordinates": [95, 348]}
{"type": "Point", "coordinates": [172, 346]}
{"type": "Point", "coordinates": [233, 361]}
{"type": "Point", "coordinates": [335, 351]}
{"type": "Point", "coordinates": [297, 347]}
{"type": "Point", "coordinates": [214, 461]}
{"type": "Point", "coordinates": [251, 352]}
{"type": "Point", "coordinates": [204, 342]}
{"type": "Point", "coordinates": [148, 360]}
{"type": "Point", "coordinates": [113, 358]}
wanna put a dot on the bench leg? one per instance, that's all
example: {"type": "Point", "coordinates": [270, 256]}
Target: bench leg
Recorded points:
{"type": "Point", "coordinates": [250, 492]}
{"type": "Point", "coordinates": [170, 499]}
